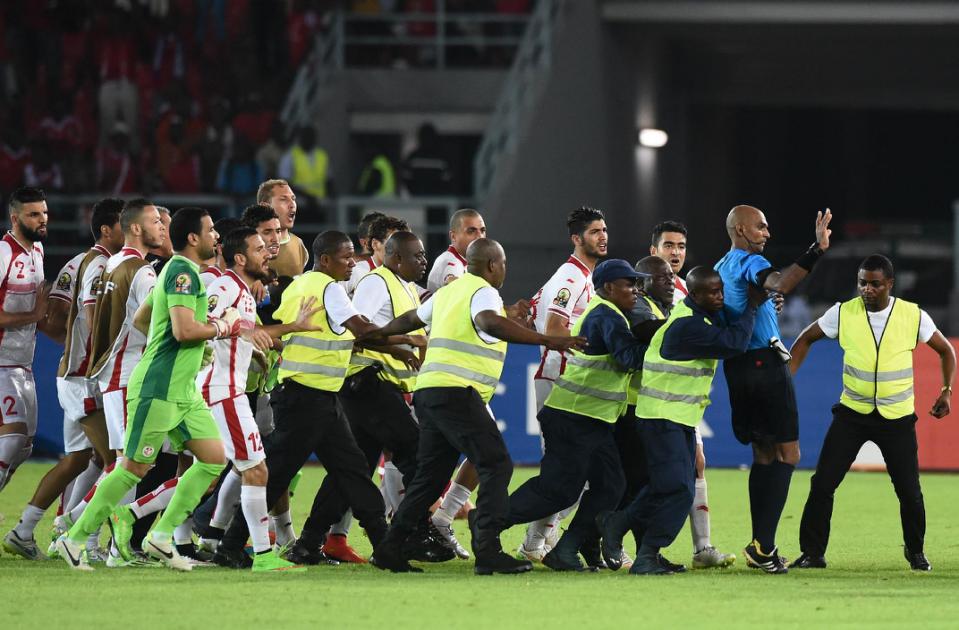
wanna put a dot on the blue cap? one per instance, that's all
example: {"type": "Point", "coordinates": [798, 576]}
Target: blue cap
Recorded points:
{"type": "Point", "coordinates": [614, 269]}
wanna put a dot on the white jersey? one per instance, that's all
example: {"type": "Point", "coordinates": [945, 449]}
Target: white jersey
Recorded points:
{"type": "Point", "coordinates": [226, 376]}
{"type": "Point", "coordinates": [565, 294]}
{"type": "Point", "coordinates": [21, 276]}
{"type": "Point", "coordinates": [62, 289]}
{"type": "Point", "coordinates": [363, 267]}
{"type": "Point", "coordinates": [681, 292]}
{"type": "Point", "coordinates": [76, 361]}
{"type": "Point", "coordinates": [447, 267]}
{"type": "Point", "coordinates": [209, 275]}
{"type": "Point", "coordinates": [129, 344]}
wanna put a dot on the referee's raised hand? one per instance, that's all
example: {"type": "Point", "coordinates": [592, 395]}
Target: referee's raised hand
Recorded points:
{"type": "Point", "coordinates": [822, 228]}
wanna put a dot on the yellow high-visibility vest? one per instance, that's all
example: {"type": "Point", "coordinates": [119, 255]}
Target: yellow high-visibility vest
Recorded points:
{"type": "Point", "coordinates": [456, 355]}
{"type": "Point", "coordinates": [310, 170]}
{"type": "Point", "coordinates": [592, 385]}
{"type": "Point", "coordinates": [633, 390]}
{"type": "Point", "coordinates": [316, 359]}
{"type": "Point", "coordinates": [878, 374]}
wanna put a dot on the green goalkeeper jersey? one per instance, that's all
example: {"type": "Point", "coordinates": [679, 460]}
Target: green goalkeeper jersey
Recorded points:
{"type": "Point", "coordinates": [168, 368]}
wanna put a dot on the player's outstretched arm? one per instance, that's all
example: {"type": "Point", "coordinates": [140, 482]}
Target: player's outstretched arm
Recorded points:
{"type": "Point", "coordinates": [506, 329]}
{"type": "Point", "coordinates": [786, 280]}
{"type": "Point", "coordinates": [187, 329]}
{"type": "Point", "coordinates": [800, 348]}
{"type": "Point", "coordinates": [947, 361]}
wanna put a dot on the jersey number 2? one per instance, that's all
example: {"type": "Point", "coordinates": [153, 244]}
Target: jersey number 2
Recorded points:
{"type": "Point", "coordinates": [9, 404]}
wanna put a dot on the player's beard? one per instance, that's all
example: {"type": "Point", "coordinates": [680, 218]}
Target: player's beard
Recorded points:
{"type": "Point", "coordinates": [34, 236]}
{"type": "Point", "coordinates": [256, 272]}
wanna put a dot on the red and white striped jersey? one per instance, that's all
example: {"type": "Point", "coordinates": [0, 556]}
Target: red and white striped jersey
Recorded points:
{"type": "Point", "coordinates": [209, 275]}
{"type": "Point", "coordinates": [130, 342]}
{"type": "Point", "coordinates": [21, 275]}
{"type": "Point", "coordinates": [78, 347]}
{"type": "Point", "coordinates": [565, 294]}
{"type": "Point", "coordinates": [62, 289]}
{"type": "Point", "coordinates": [680, 293]}
{"type": "Point", "coordinates": [447, 267]}
{"type": "Point", "coordinates": [226, 376]}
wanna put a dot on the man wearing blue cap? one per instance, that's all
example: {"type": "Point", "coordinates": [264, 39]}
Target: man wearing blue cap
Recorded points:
{"type": "Point", "coordinates": [678, 370]}
{"type": "Point", "coordinates": [579, 415]}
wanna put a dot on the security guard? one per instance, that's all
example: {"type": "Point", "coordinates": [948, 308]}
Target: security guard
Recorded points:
{"type": "Point", "coordinates": [877, 333]}
{"type": "Point", "coordinates": [378, 178]}
{"type": "Point", "coordinates": [462, 367]}
{"type": "Point", "coordinates": [678, 372]}
{"type": "Point", "coordinates": [578, 417]}
{"type": "Point", "coordinates": [308, 416]}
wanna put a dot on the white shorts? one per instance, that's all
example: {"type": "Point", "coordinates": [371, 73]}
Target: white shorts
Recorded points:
{"type": "Point", "coordinates": [78, 397]}
{"type": "Point", "coordinates": [115, 410]}
{"type": "Point", "coordinates": [241, 437]}
{"type": "Point", "coordinates": [18, 398]}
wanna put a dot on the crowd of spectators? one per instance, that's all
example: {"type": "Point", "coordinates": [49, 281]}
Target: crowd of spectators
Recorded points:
{"type": "Point", "coordinates": [179, 96]}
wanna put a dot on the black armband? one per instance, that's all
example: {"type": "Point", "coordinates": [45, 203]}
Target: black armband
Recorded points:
{"type": "Point", "coordinates": [810, 257]}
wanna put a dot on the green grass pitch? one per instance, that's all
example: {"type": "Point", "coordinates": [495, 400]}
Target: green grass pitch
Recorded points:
{"type": "Point", "coordinates": [868, 582]}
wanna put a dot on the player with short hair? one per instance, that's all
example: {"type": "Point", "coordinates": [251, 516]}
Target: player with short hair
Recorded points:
{"type": "Point", "coordinates": [293, 255]}
{"type": "Point", "coordinates": [466, 225]}
{"type": "Point", "coordinates": [78, 282]}
{"type": "Point", "coordinates": [555, 309]}
{"type": "Point", "coordinates": [377, 234]}
{"type": "Point", "coordinates": [669, 243]}
{"type": "Point", "coordinates": [162, 398]}
{"type": "Point", "coordinates": [23, 309]}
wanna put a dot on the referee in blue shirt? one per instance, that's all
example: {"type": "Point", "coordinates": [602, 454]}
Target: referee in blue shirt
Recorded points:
{"type": "Point", "coordinates": [761, 392]}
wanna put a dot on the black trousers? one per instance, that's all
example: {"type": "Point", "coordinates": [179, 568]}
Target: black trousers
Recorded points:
{"type": "Point", "coordinates": [896, 440]}
{"type": "Point", "coordinates": [379, 419]}
{"type": "Point", "coordinates": [310, 421]}
{"type": "Point", "coordinates": [577, 449]}
{"type": "Point", "coordinates": [454, 420]}
{"type": "Point", "coordinates": [632, 454]}
{"type": "Point", "coordinates": [662, 506]}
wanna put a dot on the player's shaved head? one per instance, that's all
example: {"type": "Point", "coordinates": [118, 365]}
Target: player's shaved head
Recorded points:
{"type": "Point", "coordinates": [400, 241]}
{"type": "Point", "coordinates": [483, 251]}
{"type": "Point", "coordinates": [652, 265]}
{"type": "Point", "coordinates": [329, 243]}
{"type": "Point", "coordinates": [456, 221]}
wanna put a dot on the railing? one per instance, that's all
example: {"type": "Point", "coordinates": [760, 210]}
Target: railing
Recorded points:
{"type": "Point", "coordinates": [314, 74]}
{"type": "Point", "coordinates": [519, 94]}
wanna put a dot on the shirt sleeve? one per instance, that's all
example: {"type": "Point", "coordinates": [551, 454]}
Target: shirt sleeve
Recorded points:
{"type": "Point", "coordinates": [182, 287]}
{"type": "Point", "coordinates": [338, 305]}
{"type": "Point", "coordinates": [752, 266]}
{"type": "Point", "coordinates": [370, 295]}
{"type": "Point", "coordinates": [690, 338]}
{"type": "Point", "coordinates": [425, 312]}
{"type": "Point", "coordinates": [91, 282]}
{"type": "Point", "coordinates": [927, 327]}
{"type": "Point", "coordinates": [829, 322]}
{"type": "Point", "coordinates": [63, 287]}
{"type": "Point", "coordinates": [620, 342]}
{"type": "Point", "coordinates": [486, 299]}
{"type": "Point", "coordinates": [560, 294]}
{"type": "Point", "coordinates": [221, 295]}
{"type": "Point", "coordinates": [143, 283]}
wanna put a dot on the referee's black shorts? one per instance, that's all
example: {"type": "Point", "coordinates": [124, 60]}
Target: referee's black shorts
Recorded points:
{"type": "Point", "coordinates": [762, 398]}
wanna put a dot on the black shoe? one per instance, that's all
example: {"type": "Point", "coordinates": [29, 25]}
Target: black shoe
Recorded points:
{"type": "Point", "coordinates": [612, 528]}
{"type": "Point", "coordinates": [592, 554]}
{"type": "Point", "coordinates": [649, 565]}
{"type": "Point", "coordinates": [301, 553]}
{"type": "Point", "coordinates": [490, 563]}
{"type": "Point", "coordinates": [191, 551]}
{"type": "Point", "coordinates": [422, 546]}
{"type": "Point", "coordinates": [917, 561]}
{"type": "Point", "coordinates": [232, 558]}
{"type": "Point", "coordinates": [768, 563]}
{"type": "Point", "coordinates": [389, 556]}
{"type": "Point", "coordinates": [672, 567]}
{"type": "Point", "coordinates": [807, 561]}
{"type": "Point", "coordinates": [559, 561]}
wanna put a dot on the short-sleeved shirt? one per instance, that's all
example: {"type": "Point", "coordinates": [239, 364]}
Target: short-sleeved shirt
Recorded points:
{"type": "Point", "coordinates": [486, 299]}
{"type": "Point", "coordinates": [337, 305]}
{"type": "Point", "coordinates": [86, 295]}
{"type": "Point", "coordinates": [21, 276]}
{"type": "Point", "coordinates": [66, 280]}
{"type": "Point", "coordinates": [226, 377]}
{"type": "Point", "coordinates": [565, 294]}
{"type": "Point", "coordinates": [829, 322]}
{"type": "Point", "coordinates": [168, 368]}
{"type": "Point", "coordinates": [372, 298]}
{"type": "Point", "coordinates": [447, 267]}
{"type": "Point", "coordinates": [738, 269]}
{"type": "Point", "coordinates": [363, 267]}
{"type": "Point", "coordinates": [681, 290]}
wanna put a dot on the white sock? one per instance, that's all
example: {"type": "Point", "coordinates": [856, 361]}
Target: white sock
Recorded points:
{"type": "Point", "coordinates": [154, 501]}
{"type": "Point", "coordinates": [28, 521]}
{"type": "Point", "coordinates": [81, 503]}
{"type": "Point", "coordinates": [93, 540]}
{"type": "Point", "coordinates": [283, 528]}
{"type": "Point", "coordinates": [129, 497]}
{"type": "Point", "coordinates": [227, 499]}
{"type": "Point", "coordinates": [699, 517]}
{"type": "Point", "coordinates": [343, 527]}
{"type": "Point", "coordinates": [253, 499]}
{"type": "Point", "coordinates": [183, 534]}
{"type": "Point", "coordinates": [82, 485]}
{"type": "Point", "coordinates": [536, 532]}
{"type": "Point", "coordinates": [456, 497]}
{"type": "Point", "coordinates": [65, 496]}
{"type": "Point", "coordinates": [11, 444]}
{"type": "Point", "coordinates": [392, 488]}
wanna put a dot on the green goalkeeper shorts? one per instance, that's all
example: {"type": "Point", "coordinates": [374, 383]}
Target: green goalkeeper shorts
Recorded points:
{"type": "Point", "coordinates": [153, 420]}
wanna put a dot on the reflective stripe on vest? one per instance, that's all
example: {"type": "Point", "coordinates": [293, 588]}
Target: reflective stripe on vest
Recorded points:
{"type": "Point", "coordinates": [456, 356]}
{"type": "Point", "coordinates": [878, 374]}
{"type": "Point", "coordinates": [674, 390]}
{"type": "Point", "coordinates": [592, 385]}
{"type": "Point", "coordinates": [310, 170]}
{"type": "Point", "coordinates": [633, 390]}
{"type": "Point", "coordinates": [316, 359]}
{"type": "Point", "coordinates": [403, 298]}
